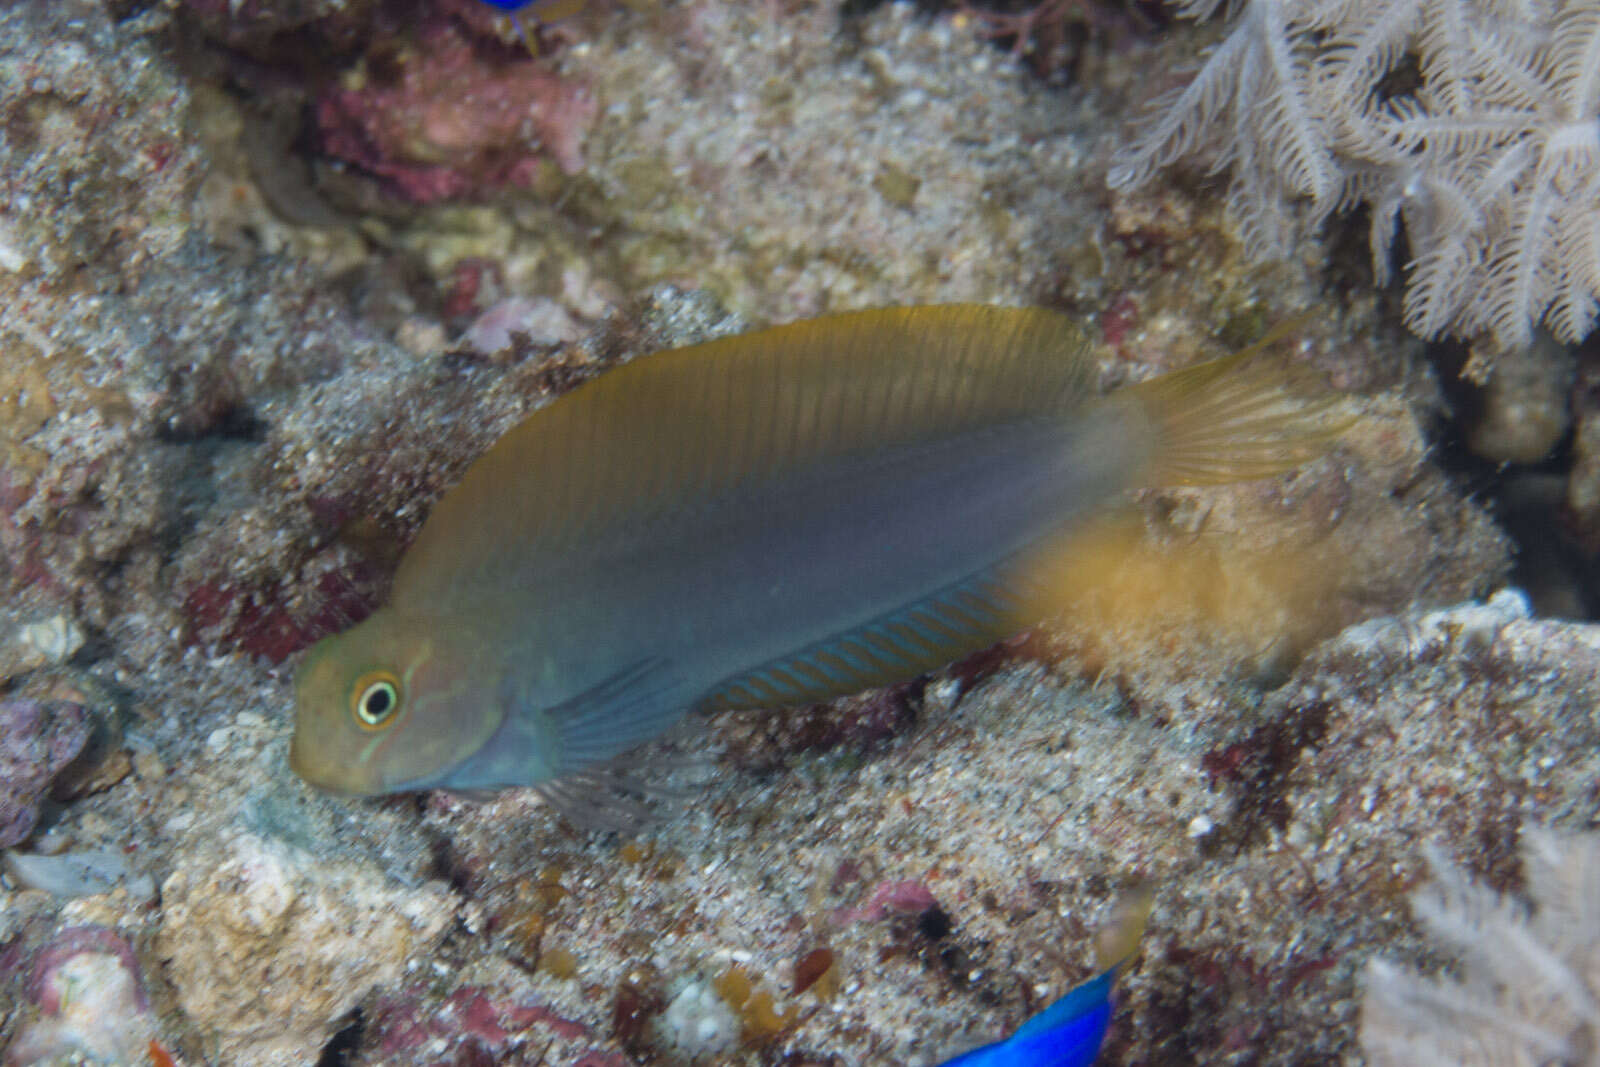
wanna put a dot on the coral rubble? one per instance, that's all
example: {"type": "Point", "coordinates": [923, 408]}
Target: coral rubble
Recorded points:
{"type": "Point", "coordinates": [89, 1001]}
{"type": "Point", "coordinates": [37, 741]}
{"type": "Point", "coordinates": [268, 949]}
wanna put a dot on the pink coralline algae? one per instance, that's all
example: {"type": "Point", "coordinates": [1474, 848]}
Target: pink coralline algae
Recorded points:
{"type": "Point", "coordinates": [38, 739]}
{"type": "Point", "coordinates": [86, 990]}
{"type": "Point", "coordinates": [904, 897]}
{"type": "Point", "coordinates": [451, 123]}
{"type": "Point", "coordinates": [261, 622]}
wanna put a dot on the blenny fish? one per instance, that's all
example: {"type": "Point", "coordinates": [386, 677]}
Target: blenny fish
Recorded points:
{"type": "Point", "coordinates": [776, 518]}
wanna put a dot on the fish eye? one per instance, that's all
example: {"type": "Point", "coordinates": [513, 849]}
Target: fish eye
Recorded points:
{"type": "Point", "coordinates": [374, 699]}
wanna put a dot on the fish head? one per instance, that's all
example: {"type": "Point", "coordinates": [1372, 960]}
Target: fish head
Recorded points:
{"type": "Point", "coordinates": [390, 705]}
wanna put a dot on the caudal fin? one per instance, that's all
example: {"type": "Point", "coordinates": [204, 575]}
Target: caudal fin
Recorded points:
{"type": "Point", "coordinates": [1233, 419]}
{"type": "Point", "coordinates": [1119, 935]}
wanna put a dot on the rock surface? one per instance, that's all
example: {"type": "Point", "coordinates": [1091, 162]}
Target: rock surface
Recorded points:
{"type": "Point", "coordinates": [38, 740]}
{"type": "Point", "coordinates": [269, 948]}
{"type": "Point", "coordinates": [229, 397]}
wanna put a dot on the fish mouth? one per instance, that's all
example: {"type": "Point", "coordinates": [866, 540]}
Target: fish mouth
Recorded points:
{"type": "Point", "coordinates": [501, 761]}
{"type": "Point", "coordinates": [339, 784]}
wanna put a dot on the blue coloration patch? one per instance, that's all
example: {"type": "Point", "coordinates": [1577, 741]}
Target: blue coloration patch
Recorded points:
{"type": "Point", "coordinates": [1068, 1033]}
{"type": "Point", "coordinates": [509, 5]}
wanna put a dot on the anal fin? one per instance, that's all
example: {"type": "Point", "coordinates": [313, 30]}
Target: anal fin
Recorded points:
{"type": "Point", "coordinates": [923, 636]}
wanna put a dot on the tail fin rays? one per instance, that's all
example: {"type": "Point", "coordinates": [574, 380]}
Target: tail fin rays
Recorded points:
{"type": "Point", "coordinates": [1234, 419]}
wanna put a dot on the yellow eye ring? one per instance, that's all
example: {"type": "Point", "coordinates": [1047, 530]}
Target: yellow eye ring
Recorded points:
{"type": "Point", "coordinates": [375, 700]}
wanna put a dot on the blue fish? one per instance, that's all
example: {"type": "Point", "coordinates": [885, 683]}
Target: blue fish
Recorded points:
{"type": "Point", "coordinates": [1068, 1033]}
{"type": "Point", "coordinates": [1071, 1030]}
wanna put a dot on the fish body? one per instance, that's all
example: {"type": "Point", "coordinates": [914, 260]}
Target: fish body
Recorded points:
{"type": "Point", "coordinates": [776, 518]}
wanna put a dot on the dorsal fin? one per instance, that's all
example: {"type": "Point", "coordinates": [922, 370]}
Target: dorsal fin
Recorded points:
{"type": "Point", "coordinates": [701, 420]}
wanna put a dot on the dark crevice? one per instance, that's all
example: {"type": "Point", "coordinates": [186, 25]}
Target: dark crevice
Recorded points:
{"type": "Point", "coordinates": [123, 10]}
{"type": "Point", "coordinates": [345, 1043]}
{"type": "Point", "coordinates": [935, 924]}
{"type": "Point", "coordinates": [235, 422]}
{"type": "Point", "coordinates": [447, 864]}
{"type": "Point", "coordinates": [1552, 565]}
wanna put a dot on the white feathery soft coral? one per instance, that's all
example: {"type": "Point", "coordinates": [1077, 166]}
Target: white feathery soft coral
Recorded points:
{"type": "Point", "coordinates": [1492, 160]}
{"type": "Point", "coordinates": [1251, 100]}
{"type": "Point", "coordinates": [1526, 992]}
